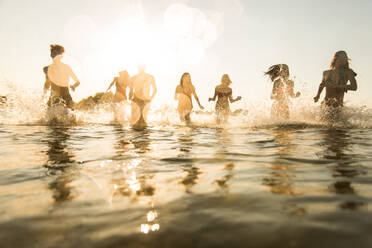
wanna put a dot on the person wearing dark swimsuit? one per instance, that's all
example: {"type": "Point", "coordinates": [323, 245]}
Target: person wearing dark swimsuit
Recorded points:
{"type": "Point", "coordinates": [224, 94]}
{"type": "Point", "coordinates": [57, 76]}
{"type": "Point", "coordinates": [335, 81]}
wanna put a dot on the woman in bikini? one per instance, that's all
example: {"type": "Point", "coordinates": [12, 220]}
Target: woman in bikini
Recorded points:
{"type": "Point", "coordinates": [121, 84]}
{"type": "Point", "coordinates": [283, 88]}
{"type": "Point", "coordinates": [335, 81]}
{"type": "Point", "coordinates": [224, 94]}
{"type": "Point", "coordinates": [183, 94]}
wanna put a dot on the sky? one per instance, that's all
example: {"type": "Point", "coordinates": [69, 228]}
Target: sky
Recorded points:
{"type": "Point", "coordinates": [206, 38]}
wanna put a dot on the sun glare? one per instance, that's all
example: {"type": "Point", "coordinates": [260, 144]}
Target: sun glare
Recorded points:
{"type": "Point", "coordinates": [181, 41]}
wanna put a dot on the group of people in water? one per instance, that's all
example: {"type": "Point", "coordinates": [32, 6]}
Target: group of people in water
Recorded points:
{"type": "Point", "coordinates": [142, 89]}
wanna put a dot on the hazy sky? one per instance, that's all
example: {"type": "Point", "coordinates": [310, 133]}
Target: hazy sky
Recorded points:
{"type": "Point", "coordinates": [204, 37]}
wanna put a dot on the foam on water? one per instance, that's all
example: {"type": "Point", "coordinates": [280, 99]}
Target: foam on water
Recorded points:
{"type": "Point", "coordinates": [26, 107]}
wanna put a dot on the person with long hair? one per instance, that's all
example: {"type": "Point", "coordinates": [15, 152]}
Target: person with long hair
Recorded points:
{"type": "Point", "coordinates": [224, 94]}
{"type": "Point", "coordinates": [335, 81]}
{"type": "Point", "coordinates": [121, 84]}
{"type": "Point", "coordinates": [183, 95]}
{"type": "Point", "coordinates": [57, 78]}
{"type": "Point", "coordinates": [283, 89]}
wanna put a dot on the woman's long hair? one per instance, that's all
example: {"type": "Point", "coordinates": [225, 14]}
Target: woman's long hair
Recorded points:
{"type": "Point", "coordinates": [279, 70]}
{"type": "Point", "coordinates": [183, 78]}
{"type": "Point", "coordinates": [338, 55]}
{"type": "Point", "coordinates": [225, 79]}
{"type": "Point", "coordinates": [187, 87]}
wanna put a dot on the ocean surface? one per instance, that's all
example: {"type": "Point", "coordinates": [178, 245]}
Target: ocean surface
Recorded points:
{"type": "Point", "coordinates": [255, 182]}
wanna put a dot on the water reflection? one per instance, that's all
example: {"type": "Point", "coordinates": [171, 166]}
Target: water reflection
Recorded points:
{"type": "Point", "coordinates": [279, 180]}
{"type": "Point", "coordinates": [224, 142]}
{"type": "Point", "coordinates": [126, 180]}
{"type": "Point", "coordinates": [122, 144]}
{"type": "Point", "coordinates": [338, 145]}
{"type": "Point", "coordinates": [185, 143]}
{"type": "Point", "coordinates": [60, 164]}
{"type": "Point", "coordinates": [151, 224]}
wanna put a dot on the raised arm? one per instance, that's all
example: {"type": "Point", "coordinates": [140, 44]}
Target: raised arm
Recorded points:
{"type": "Point", "coordinates": [353, 83]}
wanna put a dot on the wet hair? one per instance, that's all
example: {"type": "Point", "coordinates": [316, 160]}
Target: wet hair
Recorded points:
{"type": "Point", "coordinates": [225, 77]}
{"type": "Point", "coordinates": [183, 76]}
{"type": "Point", "coordinates": [279, 70]}
{"type": "Point", "coordinates": [56, 50]}
{"type": "Point", "coordinates": [338, 55]}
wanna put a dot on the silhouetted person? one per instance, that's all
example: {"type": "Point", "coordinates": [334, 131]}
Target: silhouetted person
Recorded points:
{"type": "Point", "coordinates": [141, 86]}
{"type": "Point", "coordinates": [57, 78]}
{"type": "Point", "coordinates": [183, 94]}
{"type": "Point", "coordinates": [283, 88]}
{"type": "Point", "coordinates": [335, 81]}
{"type": "Point", "coordinates": [121, 84]}
{"type": "Point", "coordinates": [224, 94]}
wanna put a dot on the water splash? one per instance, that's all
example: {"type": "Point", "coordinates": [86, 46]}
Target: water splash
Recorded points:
{"type": "Point", "coordinates": [26, 107]}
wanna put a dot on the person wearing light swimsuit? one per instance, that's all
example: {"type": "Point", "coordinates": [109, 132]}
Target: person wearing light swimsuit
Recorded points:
{"type": "Point", "coordinates": [184, 92]}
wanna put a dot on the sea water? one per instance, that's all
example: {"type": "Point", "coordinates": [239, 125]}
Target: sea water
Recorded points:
{"type": "Point", "coordinates": [90, 181]}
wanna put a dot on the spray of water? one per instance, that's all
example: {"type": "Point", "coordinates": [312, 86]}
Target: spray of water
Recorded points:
{"type": "Point", "coordinates": [26, 107]}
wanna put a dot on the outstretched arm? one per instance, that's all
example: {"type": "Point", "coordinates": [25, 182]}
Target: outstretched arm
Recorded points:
{"type": "Point", "coordinates": [177, 93]}
{"type": "Point", "coordinates": [291, 93]}
{"type": "Point", "coordinates": [197, 98]}
{"type": "Point", "coordinates": [47, 83]}
{"type": "Point", "coordinates": [274, 94]}
{"type": "Point", "coordinates": [154, 89]}
{"type": "Point", "coordinates": [320, 89]}
{"type": "Point", "coordinates": [214, 97]}
{"type": "Point", "coordinates": [112, 84]}
{"type": "Point", "coordinates": [74, 77]}
{"type": "Point", "coordinates": [231, 99]}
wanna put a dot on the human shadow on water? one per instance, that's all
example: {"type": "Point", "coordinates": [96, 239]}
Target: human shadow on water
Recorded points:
{"type": "Point", "coordinates": [186, 142]}
{"type": "Point", "coordinates": [60, 165]}
{"type": "Point", "coordinates": [337, 145]}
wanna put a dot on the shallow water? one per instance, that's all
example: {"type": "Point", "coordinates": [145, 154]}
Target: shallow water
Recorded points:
{"type": "Point", "coordinates": [282, 185]}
